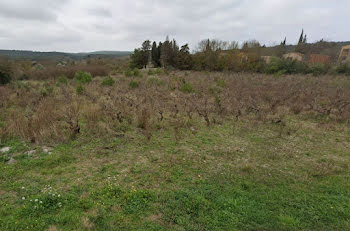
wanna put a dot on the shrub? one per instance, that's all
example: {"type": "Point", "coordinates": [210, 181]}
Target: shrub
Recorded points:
{"type": "Point", "coordinates": [154, 81]}
{"type": "Point", "coordinates": [80, 89]}
{"type": "Point", "coordinates": [108, 81]}
{"type": "Point", "coordinates": [150, 72]}
{"type": "Point", "coordinates": [46, 91]}
{"type": "Point", "coordinates": [137, 72]}
{"type": "Point", "coordinates": [285, 66]}
{"type": "Point", "coordinates": [5, 73]}
{"type": "Point", "coordinates": [318, 69]}
{"type": "Point", "coordinates": [274, 66]}
{"type": "Point", "coordinates": [128, 73]}
{"type": "Point", "coordinates": [134, 72]}
{"type": "Point", "coordinates": [220, 82]}
{"type": "Point", "coordinates": [186, 88]}
{"type": "Point", "coordinates": [134, 84]}
{"type": "Point", "coordinates": [166, 72]}
{"type": "Point", "coordinates": [5, 78]}
{"type": "Point", "coordinates": [158, 71]}
{"type": "Point", "coordinates": [83, 77]}
{"type": "Point", "coordinates": [294, 67]}
{"type": "Point", "coordinates": [343, 69]}
{"type": "Point", "coordinates": [63, 80]}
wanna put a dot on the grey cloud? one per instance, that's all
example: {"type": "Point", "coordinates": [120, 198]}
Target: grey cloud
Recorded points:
{"type": "Point", "coordinates": [101, 12]}
{"type": "Point", "coordinates": [39, 10]}
{"type": "Point", "coordinates": [84, 25]}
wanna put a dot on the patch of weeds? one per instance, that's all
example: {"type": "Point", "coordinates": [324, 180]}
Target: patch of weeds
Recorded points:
{"type": "Point", "coordinates": [80, 89]}
{"type": "Point", "coordinates": [158, 71]}
{"type": "Point", "coordinates": [136, 201]}
{"type": "Point", "coordinates": [62, 80]}
{"type": "Point", "coordinates": [220, 82]}
{"type": "Point", "coordinates": [47, 201]}
{"type": "Point", "coordinates": [108, 81]}
{"type": "Point", "coordinates": [137, 72]}
{"type": "Point", "coordinates": [150, 72]}
{"type": "Point", "coordinates": [214, 90]}
{"type": "Point", "coordinates": [82, 77]}
{"type": "Point", "coordinates": [134, 84]}
{"type": "Point", "coordinates": [288, 222]}
{"type": "Point", "coordinates": [153, 81]}
{"type": "Point", "coordinates": [46, 91]}
{"type": "Point", "coordinates": [109, 194]}
{"type": "Point", "coordinates": [187, 88]}
{"type": "Point", "coordinates": [128, 73]}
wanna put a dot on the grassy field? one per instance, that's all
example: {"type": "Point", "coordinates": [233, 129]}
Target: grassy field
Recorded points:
{"type": "Point", "coordinates": [246, 169]}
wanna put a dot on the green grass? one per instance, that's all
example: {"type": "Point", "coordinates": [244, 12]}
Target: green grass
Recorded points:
{"type": "Point", "coordinates": [236, 176]}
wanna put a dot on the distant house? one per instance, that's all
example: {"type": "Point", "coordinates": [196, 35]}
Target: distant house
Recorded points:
{"type": "Point", "coordinates": [316, 58]}
{"type": "Point", "coordinates": [344, 54]}
{"type": "Point", "coordinates": [294, 56]}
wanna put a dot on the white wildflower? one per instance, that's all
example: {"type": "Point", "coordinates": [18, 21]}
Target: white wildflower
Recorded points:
{"type": "Point", "coordinates": [36, 200]}
{"type": "Point", "coordinates": [23, 198]}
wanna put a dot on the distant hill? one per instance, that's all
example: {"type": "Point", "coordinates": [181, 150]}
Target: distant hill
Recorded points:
{"type": "Point", "coordinates": [36, 55]}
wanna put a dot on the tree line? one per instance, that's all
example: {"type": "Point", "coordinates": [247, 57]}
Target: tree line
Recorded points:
{"type": "Point", "coordinates": [217, 55]}
{"type": "Point", "coordinates": [164, 54]}
{"type": "Point", "coordinates": [212, 55]}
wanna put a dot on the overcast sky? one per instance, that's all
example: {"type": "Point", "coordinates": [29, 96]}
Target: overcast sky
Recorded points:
{"type": "Point", "coordinates": [90, 25]}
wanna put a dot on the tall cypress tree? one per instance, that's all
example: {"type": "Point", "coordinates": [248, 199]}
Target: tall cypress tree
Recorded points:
{"type": "Point", "coordinates": [305, 39]}
{"type": "Point", "coordinates": [159, 53]}
{"type": "Point", "coordinates": [165, 52]}
{"type": "Point", "coordinates": [284, 42]}
{"type": "Point", "coordinates": [155, 54]}
{"type": "Point", "coordinates": [301, 39]}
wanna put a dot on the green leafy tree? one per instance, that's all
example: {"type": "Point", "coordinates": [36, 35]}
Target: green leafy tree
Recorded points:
{"type": "Point", "coordinates": [184, 59]}
{"type": "Point", "coordinates": [146, 52]}
{"type": "Point", "coordinates": [136, 59]}
{"type": "Point", "coordinates": [141, 56]}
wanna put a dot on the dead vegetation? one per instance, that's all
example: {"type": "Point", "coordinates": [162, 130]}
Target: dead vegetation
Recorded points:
{"type": "Point", "coordinates": [51, 112]}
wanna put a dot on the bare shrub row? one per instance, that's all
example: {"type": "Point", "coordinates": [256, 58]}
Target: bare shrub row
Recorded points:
{"type": "Point", "coordinates": [167, 101]}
